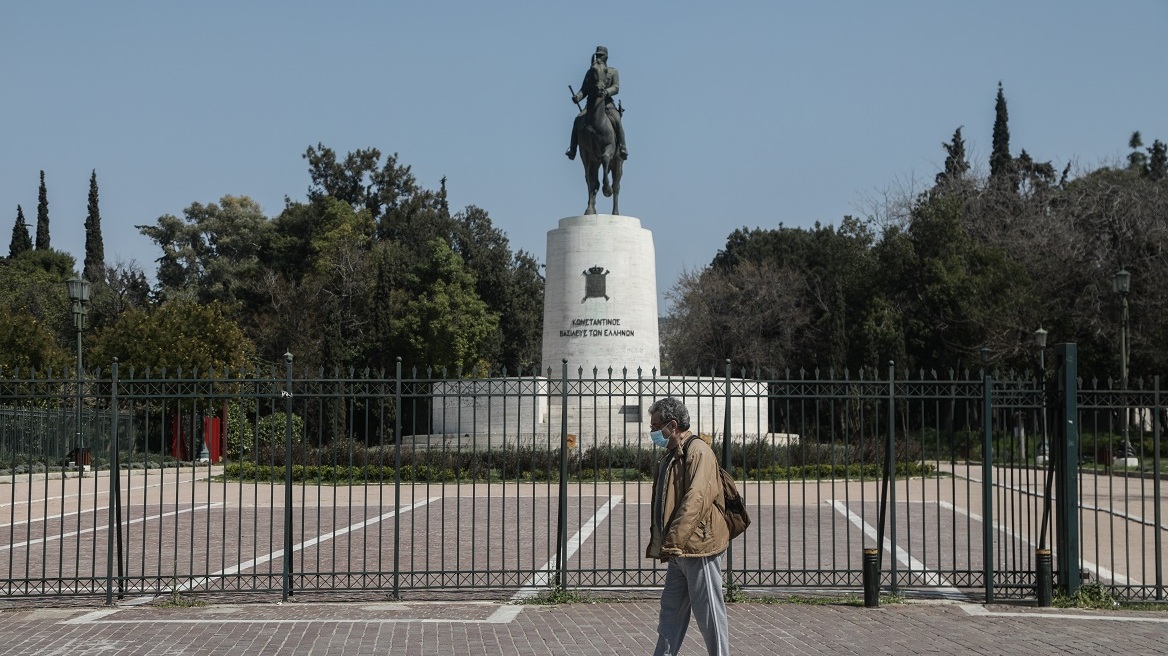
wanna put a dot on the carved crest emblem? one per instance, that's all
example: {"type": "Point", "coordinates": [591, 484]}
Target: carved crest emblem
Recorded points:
{"type": "Point", "coordinates": [595, 282]}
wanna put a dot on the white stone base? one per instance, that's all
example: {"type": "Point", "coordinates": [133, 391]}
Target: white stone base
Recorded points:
{"type": "Point", "coordinates": [489, 406]}
{"type": "Point", "coordinates": [1125, 462]}
{"type": "Point", "coordinates": [600, 299]}
{"type": "Point", "coordinates": [493, 413]}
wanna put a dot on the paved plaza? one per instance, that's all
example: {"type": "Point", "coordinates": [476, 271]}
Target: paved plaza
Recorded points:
{"type": "Point", "coordinates": [459, 628]}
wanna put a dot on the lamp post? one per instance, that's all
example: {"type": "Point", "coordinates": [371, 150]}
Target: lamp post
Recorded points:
{"type": "Point", "coordinates": [1121, 285]}
{"type": "Point", "coordinates": [79, 294]}
{"type": "Point", "coordinates": [1040, 341]}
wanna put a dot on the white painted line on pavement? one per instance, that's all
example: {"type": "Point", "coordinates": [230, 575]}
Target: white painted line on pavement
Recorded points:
{"type": "Point", "coordinates": [90, 618]}
{"type": "Point", "coordinates": [1123, 514]}
{"type": "Point", "coordinates": [502, 615]}
{"type": "Point", "coordinates": [195, 582]}
{"type": "Point", "coordinates": [103, 527]}
{"type": "Point", "coordinates": [104, 491]}
{"type": "Point", "coordinates": [931, 578]}
{"type": "Point", "coordinates": [976, 610]}
{"type": "Point", "coordinates": [1119, 579]}
{"type": "Point", "coordinates": [541, 578]}
{"type": "Point", "coordinates": [63, 515]}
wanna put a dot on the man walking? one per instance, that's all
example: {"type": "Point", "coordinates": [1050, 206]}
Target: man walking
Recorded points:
{"type": "Point", "coordinates": [689, 531]}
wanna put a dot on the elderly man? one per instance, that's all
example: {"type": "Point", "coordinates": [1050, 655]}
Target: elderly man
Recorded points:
{"type": "Point", "coordinates": [688, 531]}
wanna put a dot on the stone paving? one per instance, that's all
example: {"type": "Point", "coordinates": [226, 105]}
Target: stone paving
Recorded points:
{"type": "Point", "coordinates": [463, 628]}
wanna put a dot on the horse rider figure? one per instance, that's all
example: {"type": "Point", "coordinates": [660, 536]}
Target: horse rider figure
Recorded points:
{"type": "Point", "coordinates": [600, 90]}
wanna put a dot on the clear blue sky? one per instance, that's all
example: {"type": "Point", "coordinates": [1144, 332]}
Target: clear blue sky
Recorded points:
{"type": "Point", "coordinates": [738, 113]}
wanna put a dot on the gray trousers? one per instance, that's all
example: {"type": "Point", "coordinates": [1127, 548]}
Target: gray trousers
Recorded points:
{"type": "Point", "coordinates": [693, 584]}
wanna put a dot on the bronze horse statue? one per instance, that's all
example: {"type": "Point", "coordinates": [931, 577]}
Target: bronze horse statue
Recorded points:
{"type": "Point", "coordinates": [597, 140]}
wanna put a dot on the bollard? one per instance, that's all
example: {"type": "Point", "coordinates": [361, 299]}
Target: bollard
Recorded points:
{"type": "Point", "coordinates": [1044, 579]}
{"type": "Point", "coordinates": [871, 578]}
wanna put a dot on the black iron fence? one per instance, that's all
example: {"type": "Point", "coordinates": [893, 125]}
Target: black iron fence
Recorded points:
{"type": "Point", "coordinates": [131, 484]}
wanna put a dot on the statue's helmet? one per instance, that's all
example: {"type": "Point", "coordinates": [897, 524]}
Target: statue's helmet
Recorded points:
{"type": "Point", "coordinates": [601, 53]}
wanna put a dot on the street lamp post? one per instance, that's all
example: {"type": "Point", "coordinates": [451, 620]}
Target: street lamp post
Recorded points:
{"type": "Point", "coordinates": [1121, 285]}
{"type": "Point", "coordinates": [1040, 341]}
{"type": "Point", "coordinates": [79, 294]}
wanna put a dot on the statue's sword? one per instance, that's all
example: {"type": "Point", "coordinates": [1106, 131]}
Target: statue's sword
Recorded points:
{"type": "Point", "coordinates": [574, 95]}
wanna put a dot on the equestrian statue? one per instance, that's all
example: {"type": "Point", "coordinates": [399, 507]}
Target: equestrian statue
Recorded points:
{"type": "Point", "coordinates": [598, 132]}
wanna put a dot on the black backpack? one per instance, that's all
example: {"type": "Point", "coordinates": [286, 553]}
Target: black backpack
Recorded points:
{"type": "Point", "coordinates": [734, 510]}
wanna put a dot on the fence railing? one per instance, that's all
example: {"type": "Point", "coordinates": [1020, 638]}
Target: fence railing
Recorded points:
{"type": "Point", "coordinates": [411, 484]}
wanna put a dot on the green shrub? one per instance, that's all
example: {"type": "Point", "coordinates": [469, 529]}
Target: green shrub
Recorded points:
{"type": "Point", "coordinates": [349, 462]}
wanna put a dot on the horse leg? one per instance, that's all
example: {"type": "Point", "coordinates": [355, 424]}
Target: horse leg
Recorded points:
{"type": "Point", "coordinates": [593, 184]}
{"type": "Point", "coordinates": [616, 176]}
{"type": "Point", "coordinates": [607, 187]}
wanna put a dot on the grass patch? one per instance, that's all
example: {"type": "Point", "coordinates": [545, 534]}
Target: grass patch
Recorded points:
{"type": "Point", "coordinates": [350, 462]}
{"type": "Point", "coordinates": [177, 600]}
{"type": "Point", "coordinates": [848, 599]}
{"type": "Point", "coordinates": [733, 593]}
{"type": "Point", "coordinates": [1100, 597]}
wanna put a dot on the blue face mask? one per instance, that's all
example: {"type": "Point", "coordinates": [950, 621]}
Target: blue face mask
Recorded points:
{"type": "Point", "coordinates": [659, 439]}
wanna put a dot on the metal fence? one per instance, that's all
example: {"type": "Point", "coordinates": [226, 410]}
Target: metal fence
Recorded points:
{"type": "Point", "coordinates": [417, 483]}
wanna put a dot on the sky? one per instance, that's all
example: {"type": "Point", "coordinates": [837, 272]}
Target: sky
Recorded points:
{"type": "Point", "coordinates": [738, 114]}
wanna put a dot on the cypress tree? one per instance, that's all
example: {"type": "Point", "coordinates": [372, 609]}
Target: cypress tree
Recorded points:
{"type": "Point", "coordinates": [956, 166]}
{"type": "Point", "coordinates": [1001, 164]}
{"type": "Point", "coordinates": [21, 242]}
{"type": "Point", "coordinates": [1136, 161]}
{"type": "Point", "coordinates": [42, 238]}
{"type": "Point", "coordinates": [1158, 160]}
{"type": "Point", "coordinates": [94, 247]}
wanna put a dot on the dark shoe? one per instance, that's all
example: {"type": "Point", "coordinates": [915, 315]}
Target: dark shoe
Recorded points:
{"type": "Point", "coordinates": [571, 153]}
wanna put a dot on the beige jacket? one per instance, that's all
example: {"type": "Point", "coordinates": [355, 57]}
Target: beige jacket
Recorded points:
{"type": "Point", "coordinates": [691, 525]}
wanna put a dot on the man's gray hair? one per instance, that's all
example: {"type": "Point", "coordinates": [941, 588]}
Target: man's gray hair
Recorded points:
{"type": "Point", "coordinates": [671, 409]}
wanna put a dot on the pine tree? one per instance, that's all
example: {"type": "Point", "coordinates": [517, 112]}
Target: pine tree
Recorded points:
{"type": "Point", "coordinates": [21, 242]}
{"type": "Point", "coordinates": [42, 237]}
{"type": "Point", "coordinates": [1000, 159]}
{"type": "Point", "coordinates": [94, 247]}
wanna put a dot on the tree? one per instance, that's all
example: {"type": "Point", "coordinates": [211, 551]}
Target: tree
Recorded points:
{"type": "Point", "coordinates": [360, 180]}
{"type": "Point", "coordinates": [42, 231]}
{"type": "Point", "coordinates": [509, 284]}
{"type": "Point", "coordinates": [21, 242]}
{"type": "Point", "coordinates": [1158, 160]}
{"type": "Point", "coordinates": [522, 319]}
{"type": "Point", "coordinates": [750, 313]}
{"type": "Point", "coordinates": [1152, 164]}
{"type": "Point", "coordinates": [94, 247]}
{"type": "Point", "coordinates": [1136, 161]}
{"type": "Point", "coordinates": [1000, 160]}
{"type": "Point", "coordinates": [334, 279]}
{"type": "Point", "coordinates": [438, 319]}
{"type": "Point", "coordinates": [956, 166]}
{"type": "Point", "coordinates": [1032, 177]}
{"type": "Point", "coordinates": [213, 252]}
{"type": "Point", "coordinates": [125, 287]}
{"type": "Point", "coordinates": [955, 294]}
{"type": "Point", "coordinates": [177, 334]}
{"type": "Point", "coordinates": [27, 343]}
{"type": "Point", "coordinates": [33, 284]}
{"type": "Point", "coordinates": [831, 269]}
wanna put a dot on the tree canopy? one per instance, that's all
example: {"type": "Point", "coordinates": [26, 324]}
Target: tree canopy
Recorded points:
{"type": "Point", "coordinates": [370, 267]}
{"type": "Point", "coordinates": [975, 263]}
